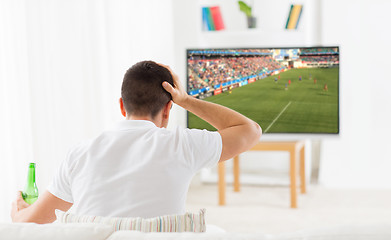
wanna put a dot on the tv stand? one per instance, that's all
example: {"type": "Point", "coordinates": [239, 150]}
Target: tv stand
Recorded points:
{"type": "Point", "coordinates": [293, 147]}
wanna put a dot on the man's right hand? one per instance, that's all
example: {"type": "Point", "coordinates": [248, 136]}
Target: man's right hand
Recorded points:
{"type": "Point", "coordinates": [178, 93]}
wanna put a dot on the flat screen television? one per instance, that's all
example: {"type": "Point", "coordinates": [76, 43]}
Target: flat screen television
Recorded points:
{"type": "Point", "coordinates": [285, 90]}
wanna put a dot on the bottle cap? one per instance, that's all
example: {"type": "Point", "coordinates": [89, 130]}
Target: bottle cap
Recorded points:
{"type": "Point", "coordinates": [32, 165]}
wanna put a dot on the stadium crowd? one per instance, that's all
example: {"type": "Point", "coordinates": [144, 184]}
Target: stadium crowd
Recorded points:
{"type": "Point", "coordinates": [320, 59]}
{"type": "Point", "coordinates": [210, 72]}
{"type": "Point", "coordinates": [310, 51]}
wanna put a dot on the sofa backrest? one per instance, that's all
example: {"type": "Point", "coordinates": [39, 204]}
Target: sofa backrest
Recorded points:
{"type": "Point", "coordinates": [70, 231]}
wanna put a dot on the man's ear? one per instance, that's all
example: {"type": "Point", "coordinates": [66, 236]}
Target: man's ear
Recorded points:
{"type": "Point", "coordinates": [167, 109]}
{"type": "Point", "coordinates": [121, 105]}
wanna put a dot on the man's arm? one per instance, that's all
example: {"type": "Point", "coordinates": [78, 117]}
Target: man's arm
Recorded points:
{"type": "Point", "coordinates": [238, 132]}
{"type": "Point", "coordinates": [42, 211]}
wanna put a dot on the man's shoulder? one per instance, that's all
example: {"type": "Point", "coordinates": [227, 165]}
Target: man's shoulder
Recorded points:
{"type": "Point", "coordinates": [179, 133]}
{"type": "Point", "coordinates": [197, 131]}
{"type": "Point", "coordinates": [79, 148]}
{"type": "Point", "coordinates": [194, 133]}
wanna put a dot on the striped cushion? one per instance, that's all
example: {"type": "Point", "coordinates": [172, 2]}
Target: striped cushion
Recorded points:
{"type": "Point", "coordinates": [189, 222]}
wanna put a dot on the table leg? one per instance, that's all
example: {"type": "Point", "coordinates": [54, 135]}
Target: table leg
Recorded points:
{"type": "Point", "coordinates": [236, 174]}
{"type": "Point", "coordinates": [293, 178]}
{"type": "Point", "coordinates": [302, 171]}
{"type": "Point", "coordinates": [221, 183]}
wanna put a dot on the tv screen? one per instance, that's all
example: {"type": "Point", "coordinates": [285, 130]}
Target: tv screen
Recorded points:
{"type": "Point", "coordinates": [285, 90]}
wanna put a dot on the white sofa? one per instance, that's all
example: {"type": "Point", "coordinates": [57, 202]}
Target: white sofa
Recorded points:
{"type": "Point", "coordinates": [87, 231]}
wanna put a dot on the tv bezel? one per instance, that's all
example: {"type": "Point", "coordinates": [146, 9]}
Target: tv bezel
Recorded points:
{"type": "Point", "coordinates": [290, 134]}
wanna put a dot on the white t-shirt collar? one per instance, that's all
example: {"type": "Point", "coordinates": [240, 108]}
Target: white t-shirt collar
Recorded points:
{"type": "Point", "coordinates": [133, 124]}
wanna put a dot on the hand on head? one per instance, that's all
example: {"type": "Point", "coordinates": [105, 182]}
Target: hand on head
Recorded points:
{"type": "Point", "coordinates": [178, 93]}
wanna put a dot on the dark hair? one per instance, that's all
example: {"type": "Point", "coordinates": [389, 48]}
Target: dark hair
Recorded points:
{"type": "Point", "coordinates": [142, 92]}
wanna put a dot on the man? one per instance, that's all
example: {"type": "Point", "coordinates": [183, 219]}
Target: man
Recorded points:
{"type": "Point", "coordinates": [139, 168]}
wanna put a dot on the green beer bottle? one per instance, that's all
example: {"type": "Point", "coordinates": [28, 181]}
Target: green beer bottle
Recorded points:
{"type": "Point", "coordinates": [30, 193]}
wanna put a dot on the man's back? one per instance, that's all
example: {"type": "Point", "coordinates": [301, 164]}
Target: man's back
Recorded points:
{"type": "Point", "coordinates": [135, 170]}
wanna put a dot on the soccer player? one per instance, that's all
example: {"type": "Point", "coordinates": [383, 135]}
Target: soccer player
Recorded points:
{"type": "Point", "coordinates": [286, 86]}
{"type": "Point", "coordinates": [289, 82]}
{"type": "Point", "coordinates": [275, 79]}
{"type": "Point", "coordinates": [299, 78]}
{"type": "Point", "coordinates": [325, 88]}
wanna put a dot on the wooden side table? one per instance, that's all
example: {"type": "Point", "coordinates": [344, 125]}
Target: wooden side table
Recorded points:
{"type": "Point", "coordinates": [293, 147]}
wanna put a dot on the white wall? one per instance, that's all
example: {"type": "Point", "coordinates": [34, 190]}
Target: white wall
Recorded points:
{"type": "Point", "coordinates": [360, 157]}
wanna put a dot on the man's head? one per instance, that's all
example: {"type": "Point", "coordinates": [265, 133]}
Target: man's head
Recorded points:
{"type": "Point", "coordinates": [142, 92]}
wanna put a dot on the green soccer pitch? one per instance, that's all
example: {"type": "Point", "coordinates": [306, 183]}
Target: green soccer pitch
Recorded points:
{"type": "Point", "coordinates": [304, 107]}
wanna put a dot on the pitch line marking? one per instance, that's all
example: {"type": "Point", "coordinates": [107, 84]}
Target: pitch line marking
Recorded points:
{"type": "Point", "coordinates": [283, 110]}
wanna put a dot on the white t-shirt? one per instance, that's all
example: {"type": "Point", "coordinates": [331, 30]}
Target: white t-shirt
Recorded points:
{"type": "Point", "coordinates": [135, 170]}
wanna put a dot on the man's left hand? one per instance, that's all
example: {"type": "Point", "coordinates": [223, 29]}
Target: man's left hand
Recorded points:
{"type": "Point", "coordinates": [18, 204]}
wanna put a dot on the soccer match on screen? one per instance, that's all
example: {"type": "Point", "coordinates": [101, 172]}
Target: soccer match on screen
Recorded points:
{"type": "Point", "coordinates": [285, 90]}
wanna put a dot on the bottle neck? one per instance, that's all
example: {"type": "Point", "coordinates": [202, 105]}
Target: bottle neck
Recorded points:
{"type": "Point", "coordinates": [31, 175]}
